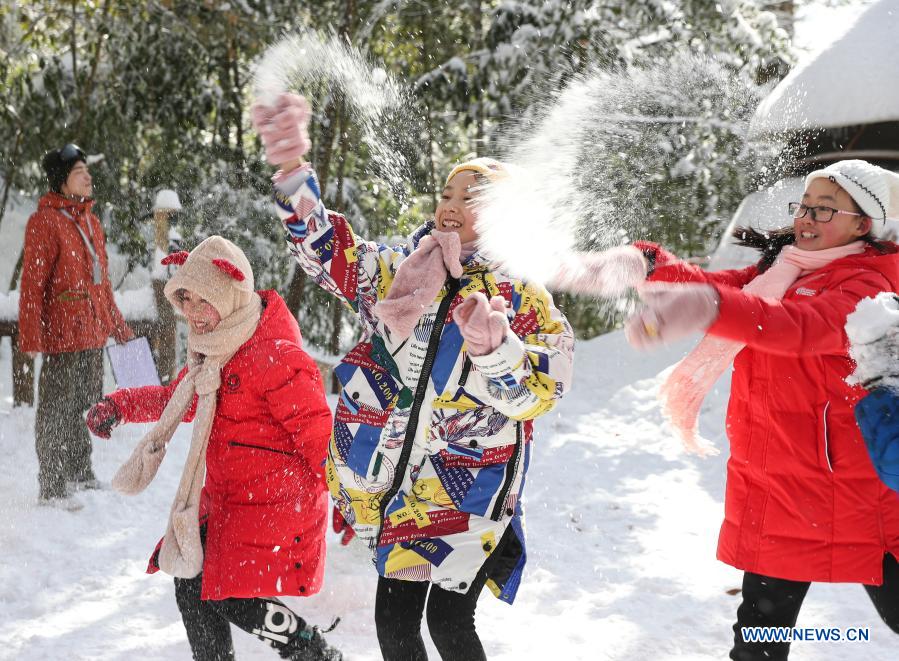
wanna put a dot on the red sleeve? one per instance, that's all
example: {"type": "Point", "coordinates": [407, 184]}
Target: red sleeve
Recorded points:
{"type": "Point", "coordinates": [39, 257]}
{"type": "Point", "coordinates": [295, 394]}
{"type": "Point", "coordinates": [145, 404]}
{"type": "Point", "coordinates": [666, 267]}
{"type": "Point", "coordinates": [793, 328]}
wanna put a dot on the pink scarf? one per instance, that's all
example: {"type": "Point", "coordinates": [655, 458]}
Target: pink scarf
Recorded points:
{"type": "Point", "coordinates": [418, 280]}
{"type": "Point", "coordinates": [692, 378]}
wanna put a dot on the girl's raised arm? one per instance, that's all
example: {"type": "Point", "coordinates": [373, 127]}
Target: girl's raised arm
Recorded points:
{"type": "Point", "coordinates": [356, 271]}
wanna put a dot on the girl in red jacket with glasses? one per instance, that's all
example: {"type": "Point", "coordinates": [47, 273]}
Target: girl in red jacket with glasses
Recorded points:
{"type": "Point", "coordinates": [803, 502]}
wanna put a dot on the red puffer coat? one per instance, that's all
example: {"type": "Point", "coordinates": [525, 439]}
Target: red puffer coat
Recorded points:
{"type": "Point", "coordinates": [803, 501]}
{"type": "Point", "coordinates": [265, 502]}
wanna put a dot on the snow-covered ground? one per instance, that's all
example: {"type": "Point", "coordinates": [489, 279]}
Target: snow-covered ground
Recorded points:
{"type": "Point", "coordinates": [623, 569]}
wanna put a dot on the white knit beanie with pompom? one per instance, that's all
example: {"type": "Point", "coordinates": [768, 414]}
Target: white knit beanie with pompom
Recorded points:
{"type": "Point", "coordinates": [874, 189]}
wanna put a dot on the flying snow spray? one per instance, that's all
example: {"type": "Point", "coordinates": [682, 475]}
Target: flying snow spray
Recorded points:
{"type": "Point", "coordinates": [371, 96]}
{"type": "Point", "coordinates": [582, 166]}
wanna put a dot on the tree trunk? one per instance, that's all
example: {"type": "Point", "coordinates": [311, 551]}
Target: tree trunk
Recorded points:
{"type": "Point", "coordinates": [73, 37]}
{"type": "Point", "coordinates": [92, 76]}
{"type": "Point", "coordinates": [17, 271]}
{"type": "Point", "coordinates": [478, 32]}
{"type": "Point", "coordinates": [429, 119]}
{"type": "Point", "coordinates": [164, 339]}
{"type": "Point", "coordinates": [10, 173]}
{"type": "Point", "coordinates": [231, 74]}
{"type": "Point", "coordinates": [238, 106]}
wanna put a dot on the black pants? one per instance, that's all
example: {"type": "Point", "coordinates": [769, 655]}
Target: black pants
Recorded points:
{"type": "Point", "coordinates": [775, 602]}
{"type": "Point", "coordinates": [209, 632]}
{"type": "Point", "coordinates": [68, 385]}
{"type": "Point", "coordinates": [399, 606]}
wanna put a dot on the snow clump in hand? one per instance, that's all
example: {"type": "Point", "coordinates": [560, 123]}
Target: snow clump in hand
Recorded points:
{"type": "Point", "coordinates": [873, 332]}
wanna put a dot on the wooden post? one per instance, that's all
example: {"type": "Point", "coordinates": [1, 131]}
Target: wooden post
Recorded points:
{"type": "Point", "coordinates": [163, 339]}
{"type": "Point", "coordinates": [161, 230]}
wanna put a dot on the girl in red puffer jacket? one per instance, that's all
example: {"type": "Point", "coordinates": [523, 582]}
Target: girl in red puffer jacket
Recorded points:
{"type": "Point", "coordinates": [803, 503]}
{"type": "Point", "coordinates": [248, 522]}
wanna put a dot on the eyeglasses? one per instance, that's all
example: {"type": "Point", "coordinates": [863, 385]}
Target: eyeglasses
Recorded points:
{"type": "Point", "coordinates": [818, 214]}
{"type": "Point", "coordinates": [72, 152]}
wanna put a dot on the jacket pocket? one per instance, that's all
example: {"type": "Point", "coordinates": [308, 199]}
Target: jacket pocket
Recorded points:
{"type": "Point", "coordinates": [367, 395]}
{"type": "Point", "coordinates": [253, 465]}
{"type": "Point", "coordinates": [512, 474]}
{"type": "Point", "coordinates": [474, 473]}
{"type": "Point", "coordinates": [471, 431]}
{"type": "Point", "coordinates": [264, 448]}
{"type": "Point", "coordinates": [70, 295]}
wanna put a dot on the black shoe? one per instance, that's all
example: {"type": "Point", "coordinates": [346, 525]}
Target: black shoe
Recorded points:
{"type": "Point", "coordinates": [309, 645]}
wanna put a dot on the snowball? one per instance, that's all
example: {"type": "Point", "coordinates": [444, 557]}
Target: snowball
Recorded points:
{"type": "Point", "coordinates": [873, 318]}
{"type": "Point", "coordinates": [873, 332]}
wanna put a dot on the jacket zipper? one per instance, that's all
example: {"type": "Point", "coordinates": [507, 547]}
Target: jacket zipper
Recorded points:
{"type": "Point", "coordinates": [236, 444]}
{"type": "Point", "coordinates": [511, 470]}
{"type": "Point", "coordinates": [466, 369]}
{"type": "Point", "coordinates": [421, 388]}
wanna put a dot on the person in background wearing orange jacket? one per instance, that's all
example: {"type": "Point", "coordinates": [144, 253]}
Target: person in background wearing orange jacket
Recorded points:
{"type": "Point", "coordinates": [66, 313]}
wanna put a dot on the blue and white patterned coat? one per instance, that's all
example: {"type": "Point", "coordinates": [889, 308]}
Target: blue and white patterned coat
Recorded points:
{"type": "Point", "coordinates": [431, 445]}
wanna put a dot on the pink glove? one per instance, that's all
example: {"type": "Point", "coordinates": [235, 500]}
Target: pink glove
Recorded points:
{"type": "Point", "coordinates": [483, 324]}
{"type": "Point", "coordinates": [608, 273]}
{"type": "Point", "coordinates": [671, 312]}
{"type": "Point", "coordinates": [282, 128]}
{"type": "Point", "coordinates": [418, 280]}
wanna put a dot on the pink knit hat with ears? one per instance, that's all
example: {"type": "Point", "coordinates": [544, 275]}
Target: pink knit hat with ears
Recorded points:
{"type": "Point", "coordinates": [216, 270]}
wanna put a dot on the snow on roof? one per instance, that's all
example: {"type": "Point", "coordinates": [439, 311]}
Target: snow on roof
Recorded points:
{"type": "Point", "coordinates": [851, 81]}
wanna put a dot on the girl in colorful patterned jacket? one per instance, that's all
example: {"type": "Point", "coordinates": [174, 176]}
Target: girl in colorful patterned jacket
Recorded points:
{"type": "Point", "coordinates": [249, 519]}
{"type": "Point", "coordinates": [802, 501]}
{"type": "Point", "coordinates": [432, 432]}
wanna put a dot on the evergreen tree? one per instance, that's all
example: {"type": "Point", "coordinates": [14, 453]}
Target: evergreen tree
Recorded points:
{"type": "Point", "coordinates": [162, 89]}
